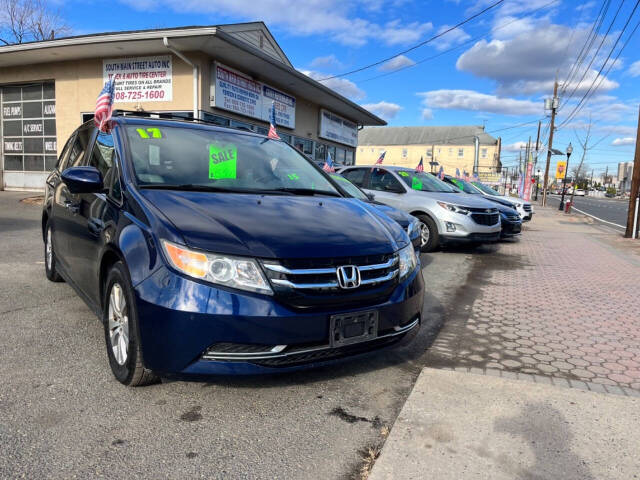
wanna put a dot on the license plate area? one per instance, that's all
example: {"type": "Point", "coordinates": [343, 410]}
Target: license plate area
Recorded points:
{"type": "Point", "coordinates": [350, 328]}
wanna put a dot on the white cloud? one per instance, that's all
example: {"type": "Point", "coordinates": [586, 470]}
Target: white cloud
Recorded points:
{"type": "Point", "coordinates": [471, 100]}
{"type": "Point", "coordinates": [426, 114]}
{"type": "Point", "coordinates": [624, 141]}
{"type": "Point", "coordinates": [326, 62]}
{"type": "Point", "coordinates": [514, 147]}
{"type": "Point", "coordinates": [334, 20]}
{"type": "Point", "coordinates": [527, 62]}
{"type": "Point", "coordinates": [626, 130]}
{"type": "Point", "coordinates": [454, 37]}
{"type": "Point", "coordinates": [341, 85]}
{"type": "Point", "coordinates": [396, 63]}
{"type": "Point", "coordinates": [634, 69]}
{"type": "Point", "coordinates": [586, 6]}
{"type": "Point", "coordinates": [383, 109]}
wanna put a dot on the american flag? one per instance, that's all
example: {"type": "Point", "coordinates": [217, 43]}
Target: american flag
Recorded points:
{"type": "Point", "coordinates": [441, 173]}
{"type": "Point", "coordinates": [457, 173]}
{"type": "Point", "coordinates": [328, 164]}
{"type": "Point", "coordinates": [420, 167]}
{"type": "Point", "coordinates": [466, 175]}
{"type": "Point", "coordinates": [272, 122]}
{"type": "Point", "coordinates": [380, 159]}
{"type": "Point", "coordinates": [104, 105]}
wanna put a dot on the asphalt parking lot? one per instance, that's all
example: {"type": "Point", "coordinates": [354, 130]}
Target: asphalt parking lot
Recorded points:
{"type": "Point", "coordinates": [65, 416]}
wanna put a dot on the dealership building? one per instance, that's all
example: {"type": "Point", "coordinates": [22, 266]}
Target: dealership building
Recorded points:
{"type": "Point", "coordinates": [228, 74]}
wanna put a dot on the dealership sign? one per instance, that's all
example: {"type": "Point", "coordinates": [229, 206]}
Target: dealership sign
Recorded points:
{"type": "Point", "coordinates": [239, 93]}
{"type": "Point", "coordinates": [340, 130]}
{"type": "Point", "coordinates": [140, 79]}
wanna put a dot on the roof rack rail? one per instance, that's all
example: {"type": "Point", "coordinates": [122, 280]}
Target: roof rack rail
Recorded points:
{"type": "Point", "coordinates": [162, 115]}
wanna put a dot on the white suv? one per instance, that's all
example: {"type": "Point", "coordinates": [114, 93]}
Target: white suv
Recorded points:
{"type": "Point", "coordinates": [445, 214]}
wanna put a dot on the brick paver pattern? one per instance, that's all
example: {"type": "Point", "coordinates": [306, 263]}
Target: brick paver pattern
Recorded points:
{"type": "Point", "coordinates": [560, 302]}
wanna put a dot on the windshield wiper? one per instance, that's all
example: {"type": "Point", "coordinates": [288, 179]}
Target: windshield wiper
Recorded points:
{"type": "Point", "coordinates": [303, 191]}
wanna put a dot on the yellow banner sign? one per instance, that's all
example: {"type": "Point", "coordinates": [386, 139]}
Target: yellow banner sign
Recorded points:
{"type": "Point", "coordinates": [561, 169]}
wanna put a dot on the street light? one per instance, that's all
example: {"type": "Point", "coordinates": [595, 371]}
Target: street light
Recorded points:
{"type": "Point", "coordinates": [564, 180]}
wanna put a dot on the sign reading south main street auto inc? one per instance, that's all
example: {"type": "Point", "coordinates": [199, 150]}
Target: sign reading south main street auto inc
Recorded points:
{"type": "Point", "coordinates": [239, 93]}
{"type": "Point", "coordinates": [140, 79]}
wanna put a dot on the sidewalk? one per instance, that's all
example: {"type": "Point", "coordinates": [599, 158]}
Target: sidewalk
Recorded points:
{"type": "Point", "coordinates": [536, 372]}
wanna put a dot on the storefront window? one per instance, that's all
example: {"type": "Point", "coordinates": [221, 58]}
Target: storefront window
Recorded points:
{"type": "Point", "coordinates": [28, 132]}
{"type": "Point", "coordinates": [349, 158]}
{"type": "Point", "coordinates": [340, 156]}
{"type": "Point", "coordinates": [304, 145]}
{"type": "Point", "coordinates": [321, 152]}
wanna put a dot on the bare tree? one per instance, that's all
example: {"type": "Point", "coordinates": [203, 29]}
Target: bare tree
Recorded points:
{"type": "Point", "coordinates": [584, 143]}
{"type": "Point", "coordinates": [29, 20]}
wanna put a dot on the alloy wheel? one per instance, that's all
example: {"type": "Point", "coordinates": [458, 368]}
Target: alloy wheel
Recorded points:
{"type": "Point", "coordinates": [118, 324]}
{"type": "Point", "coordinates": [424, 234]}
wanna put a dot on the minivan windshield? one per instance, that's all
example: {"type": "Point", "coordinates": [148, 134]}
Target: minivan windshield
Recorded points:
{"type": "Point", "coordinates": [424, 182]}
{"type": "Point", "coordinates": [485, 188]}
{"type": "Point", "coordinates": [349, 187]}
{"type": "Point", "coordinates": [210, 160]}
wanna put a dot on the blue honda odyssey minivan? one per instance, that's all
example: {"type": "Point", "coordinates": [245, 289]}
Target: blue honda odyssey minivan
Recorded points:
{"type": "Point", "coordinates": [206, 250]}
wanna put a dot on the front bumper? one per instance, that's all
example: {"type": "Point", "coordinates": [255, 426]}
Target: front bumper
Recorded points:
{"type": "Point", "coordinates": [509, 229]}
{"type": "Point", "coordinates": [180, 319]}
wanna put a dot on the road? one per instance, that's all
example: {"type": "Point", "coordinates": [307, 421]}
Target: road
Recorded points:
{"type": "Point", "coordinates": [64, 416]}
{"type": "Point", "coordinates": [612, 211]}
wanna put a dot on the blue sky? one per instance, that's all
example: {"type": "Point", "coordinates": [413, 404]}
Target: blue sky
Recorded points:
{"type": "Point", "coordinates": [501, 68]}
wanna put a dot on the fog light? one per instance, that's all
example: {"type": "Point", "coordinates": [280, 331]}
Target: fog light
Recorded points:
{"type": "Point", "coordinates": [451, 227]}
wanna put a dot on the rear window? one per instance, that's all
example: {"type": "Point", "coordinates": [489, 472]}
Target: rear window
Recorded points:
{"type": "Point", "coordinates": [178, 155]}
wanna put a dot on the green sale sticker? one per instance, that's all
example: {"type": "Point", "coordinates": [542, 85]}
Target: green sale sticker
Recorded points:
{"type": "Point", "coordinates": [416, 183]}
{"type": "Point", "coordinates": [222, 161]}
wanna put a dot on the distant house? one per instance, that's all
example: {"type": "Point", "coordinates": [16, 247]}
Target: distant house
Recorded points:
{"type": "Point", "coordinates": [451, 147]}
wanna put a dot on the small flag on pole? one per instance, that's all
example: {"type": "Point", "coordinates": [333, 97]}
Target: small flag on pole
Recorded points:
{"type": "Point", "coordinates": [420, 167]}
{"type": "Point", "coordinates": [328, 164]}
{"type": "Point", "coordinates": [104, 105]}
{"type": "Point", "coordinates": [465, 175]}
{"type": "Point", "coordinates": [380, 159]}
{"type": "Point", "coordinates": [457, 173]}
{"type": "Point", "coordinates": [272, 122]}
{"type": "Point", "coordinates": [441, 173]}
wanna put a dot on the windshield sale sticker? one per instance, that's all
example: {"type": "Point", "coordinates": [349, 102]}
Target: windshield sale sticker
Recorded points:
{"type": "Point", "coordinates": [416, 183]}
{"type": "Point", "coordinates": [222, 161]}
{"type": "Point", "coordinates": [140, 79]}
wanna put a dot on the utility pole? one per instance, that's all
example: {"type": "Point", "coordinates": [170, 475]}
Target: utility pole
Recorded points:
{"type": "Point", "coordinates": [606, 177]}
{"type": "Point", "coordinates": [538, 143]}
{"type": "Point", "coordinates": [554, 106]}
{"type": "Point", "coordinates": [635, 189]}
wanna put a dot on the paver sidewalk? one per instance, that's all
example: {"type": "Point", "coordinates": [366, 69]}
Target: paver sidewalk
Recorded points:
{"type": "Point", "coordinates": [461, 425]}
{"type": "Point", "coordinates": [563, 301]}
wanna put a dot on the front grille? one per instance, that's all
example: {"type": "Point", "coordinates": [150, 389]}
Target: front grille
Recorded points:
{"type": "Point", "coordinates": [486, 218]}
{"type": "Point", "coordinates": [313, 282]}
{"type": "Point", "coordinates": [527, 208]}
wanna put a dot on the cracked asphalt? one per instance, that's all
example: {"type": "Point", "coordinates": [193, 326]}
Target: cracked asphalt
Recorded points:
{"type": "Point", "coordinates": [64, 416]}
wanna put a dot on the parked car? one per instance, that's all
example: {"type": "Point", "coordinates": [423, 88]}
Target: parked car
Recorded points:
{"type": "Point", "coordinates": [579, 192]}
{"type": "Point", "coordinates": [509, 216]}
{"type": "Point", "coordinates": [524, 208]}
{"type": "Point", "coordinates": [408, 222]}
{"type": "Point", "coordinates": [207, 250]}
{"type": "Point", "coordinates": [445, 216]}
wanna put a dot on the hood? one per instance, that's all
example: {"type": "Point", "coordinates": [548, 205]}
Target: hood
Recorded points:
{"type": "Point", "coordinates": [277, 226]}
{"type": "Point", "coordinates": [403, 219]}
{"type": "Point", "coordinates": [501, 203]}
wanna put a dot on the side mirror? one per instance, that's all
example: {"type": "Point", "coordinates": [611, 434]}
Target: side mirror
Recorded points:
{"type": "Point", "coordinates": [370, 196]}
{"type": "Point", "coordinates": [83, 179]}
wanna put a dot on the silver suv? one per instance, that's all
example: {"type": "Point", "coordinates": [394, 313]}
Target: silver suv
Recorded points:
{"type": "Point", "coordinates": [446, 215]}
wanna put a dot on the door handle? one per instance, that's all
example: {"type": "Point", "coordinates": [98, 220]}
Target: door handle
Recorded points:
{"type": "Point", "coordinates": [72, 207]}
{"type": "Point", "coordinates": [95, 226]}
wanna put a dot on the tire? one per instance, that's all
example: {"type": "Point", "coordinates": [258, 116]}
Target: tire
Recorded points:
{"type": "Point", "coordinates": [50, 256]}
{"type": "Point", "coordinates": [121, 332]}
{"type": "Point", "coordinates": [429, 228]}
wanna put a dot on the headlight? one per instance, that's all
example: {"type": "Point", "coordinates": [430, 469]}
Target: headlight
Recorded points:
{"type": "Point", "coordinates": [518, 205]}
{"type": "Point", "coordinates": [453, 208]}
{"type": "Point", "coordinates": [408, 261]}
{"type": "Point", "coordinates": [235, 272]}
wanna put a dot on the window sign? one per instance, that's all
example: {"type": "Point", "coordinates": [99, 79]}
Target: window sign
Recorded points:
{"type": "Point", "coordinates": [340, 130]}
{"type": "Point", "coordinates": [28, 133]}
{"type": "Point", "coordinates": [239, 93]}
{"type": "Point", "coordinates": [140, 79]}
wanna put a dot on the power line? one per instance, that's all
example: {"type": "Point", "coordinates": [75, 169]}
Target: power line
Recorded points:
{"type": "Point", "coordinates": [457, 47]}
{"type": "Point", "coordinates": [441, 34]}
{"type": "Point", "coordinates": [577, 107]}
